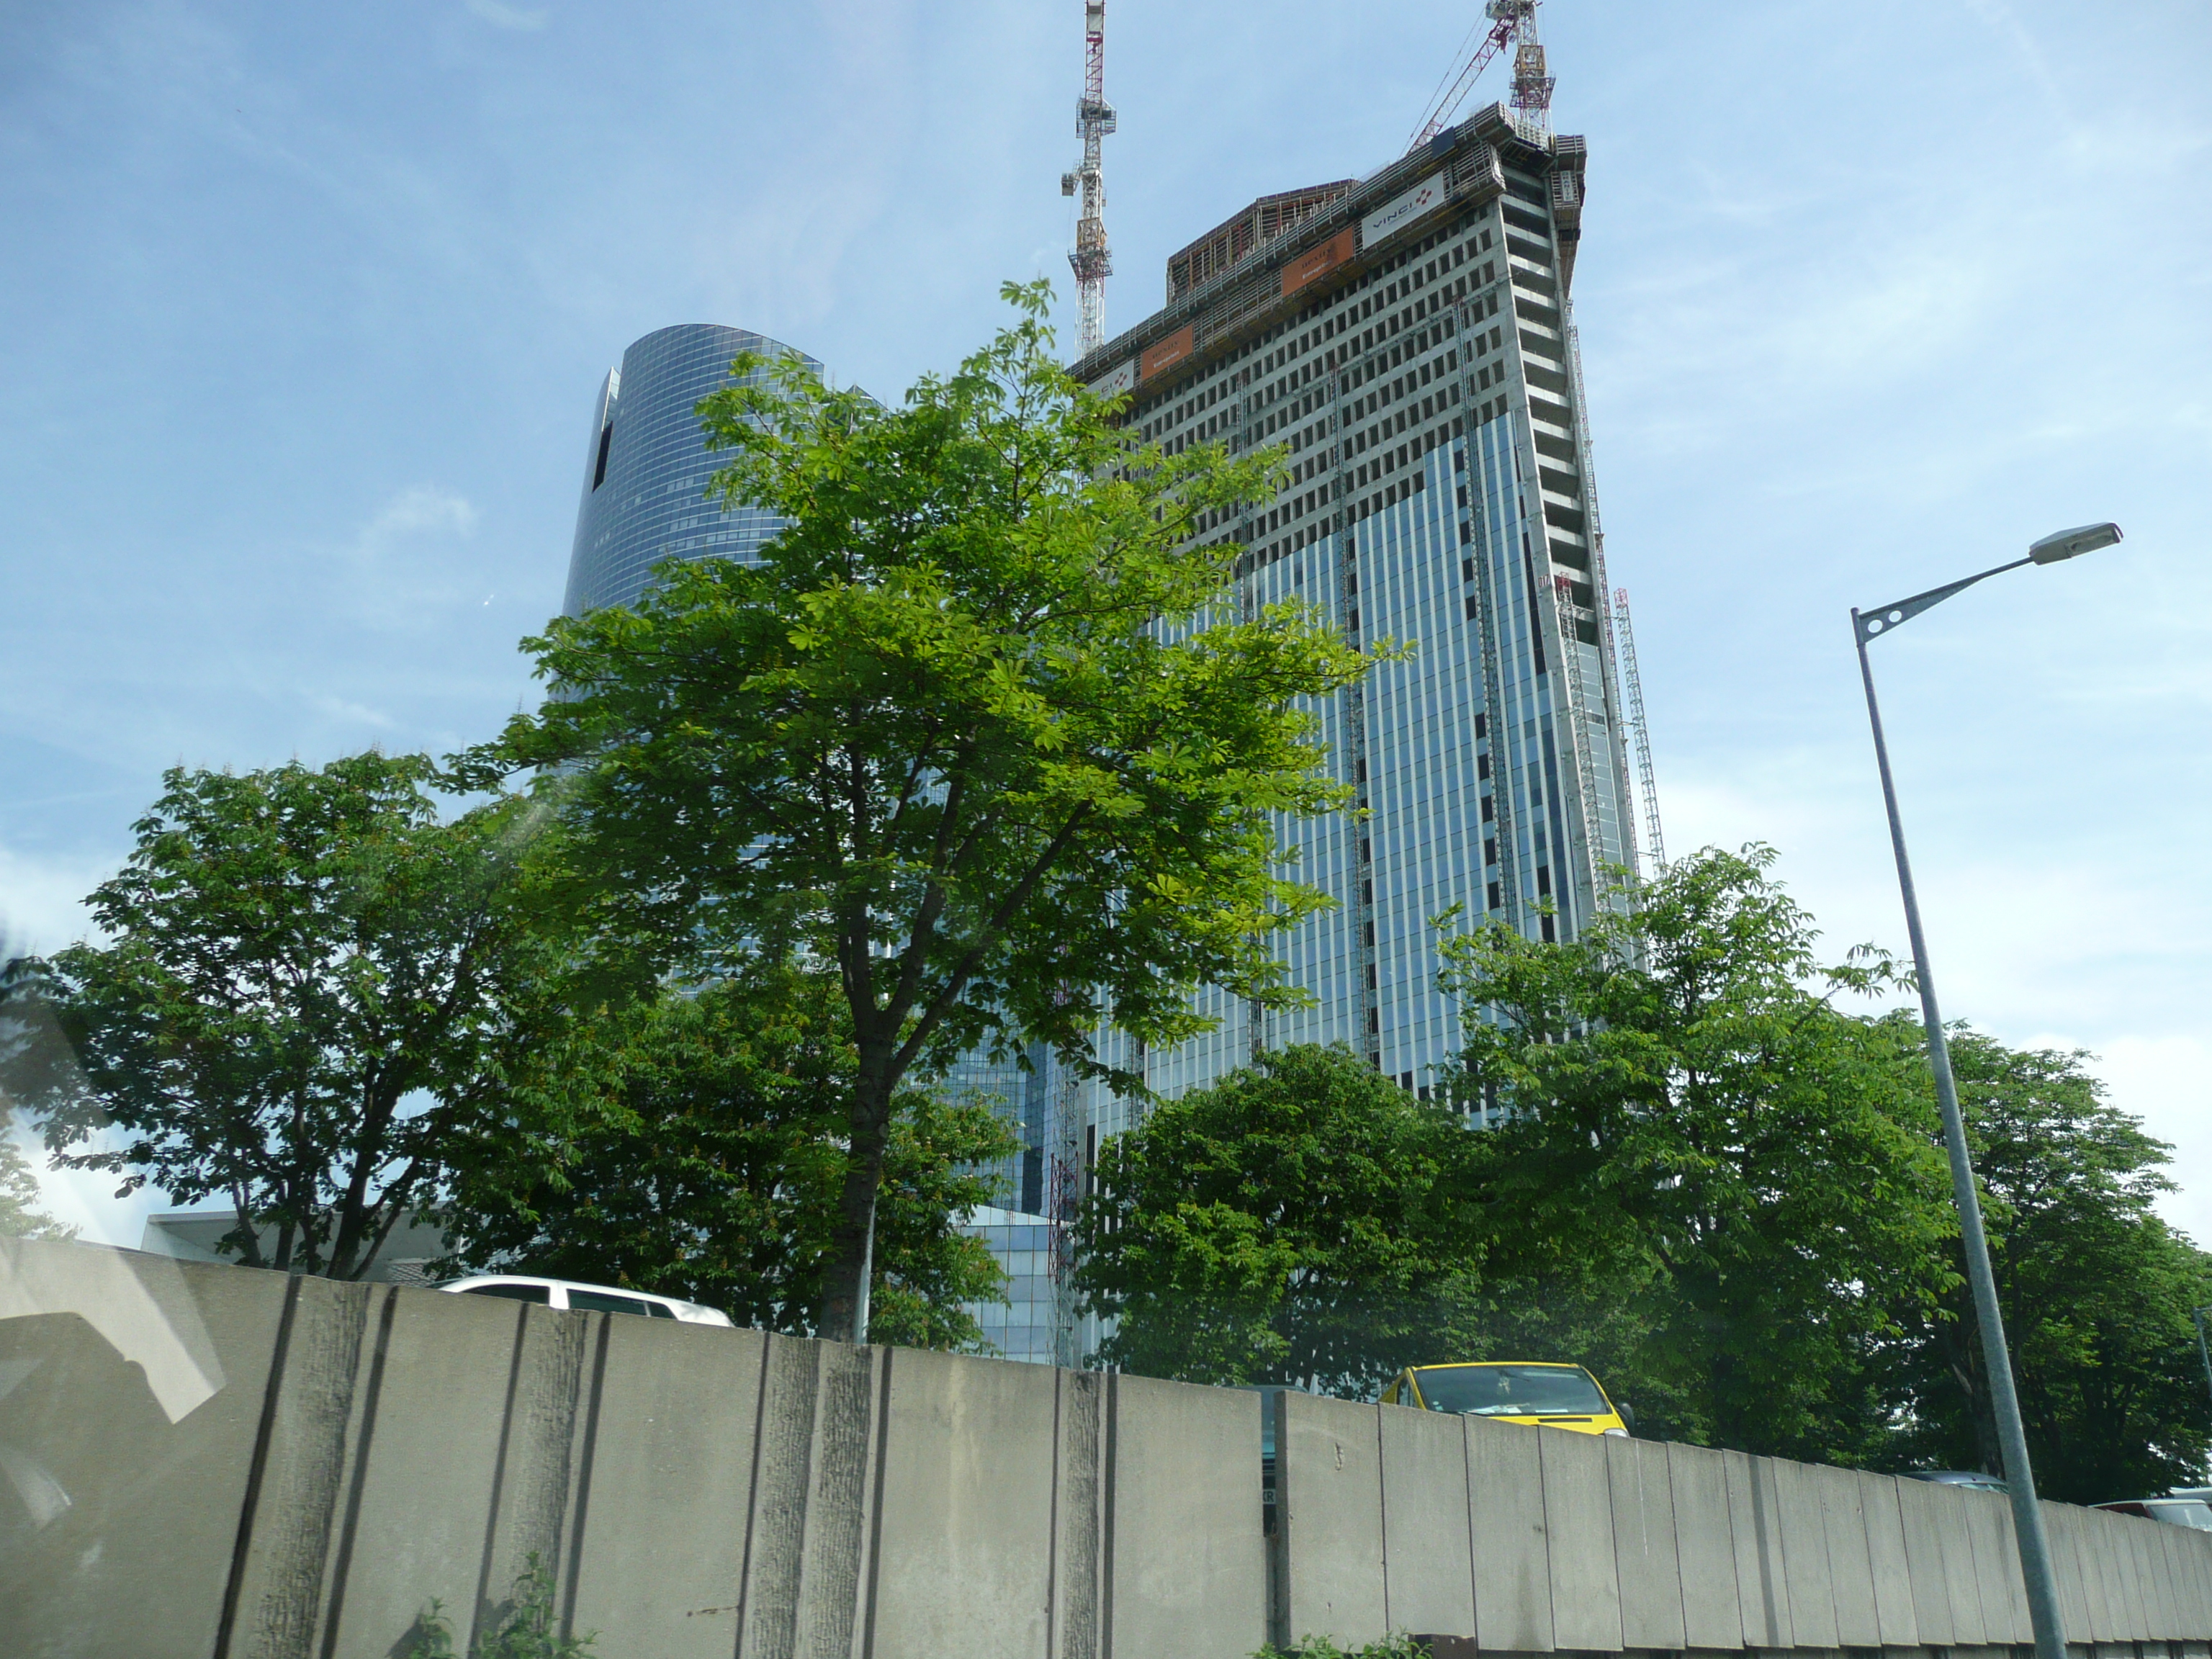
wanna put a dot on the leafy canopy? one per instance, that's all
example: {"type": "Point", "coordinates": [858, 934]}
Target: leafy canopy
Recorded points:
{"type": "Point", "coordinates": [2094, 1287]}
{"type": "Point", "coordinates": [691, 1145]}
{"type": "Point", "coordinates": [1304, 1220]}
{"type": "Point", "coordinates": [981, 727]}
{"type": "Point", "coordinates": [311, 991]}
{"type": "Point", "coordinates": [1683, 1108]}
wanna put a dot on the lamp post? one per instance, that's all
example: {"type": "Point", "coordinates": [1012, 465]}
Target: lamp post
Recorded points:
{"type": "Point", "coordinates": [2027, 1516]}
{"type": "Point", "coordinates": [2203, 1350]}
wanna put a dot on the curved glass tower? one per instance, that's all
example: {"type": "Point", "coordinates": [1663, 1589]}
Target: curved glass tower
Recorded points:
{"type": "Point", "coordinates": [647, 466]}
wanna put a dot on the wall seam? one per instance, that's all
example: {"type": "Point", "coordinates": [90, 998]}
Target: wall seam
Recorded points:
{"type": "Point", "coordinates": [256, 1471]}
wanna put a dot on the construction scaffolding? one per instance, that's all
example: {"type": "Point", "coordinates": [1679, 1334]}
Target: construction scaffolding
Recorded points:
{"type": "Point", "coordinates": [1647, 791]}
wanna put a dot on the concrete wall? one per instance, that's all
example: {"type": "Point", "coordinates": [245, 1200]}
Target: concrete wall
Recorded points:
{"type": "Point", "coordinates": [211, 1462]}
{"type": "Point", "coordinates": [1570, 1542]}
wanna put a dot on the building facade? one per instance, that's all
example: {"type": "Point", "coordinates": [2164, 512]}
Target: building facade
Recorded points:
{"type": "Point", "coordinates": [646, 466]}
{"type": "Point", "coordinates": [1408, 339]}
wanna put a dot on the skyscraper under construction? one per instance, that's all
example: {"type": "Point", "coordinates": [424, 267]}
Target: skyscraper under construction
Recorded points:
{"type": "Point", "coordinates": [1408, 338]}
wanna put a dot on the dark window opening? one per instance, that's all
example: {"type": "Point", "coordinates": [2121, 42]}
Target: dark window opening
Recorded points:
{"type": "Point", "coordinates": [601, 1302]}
{"type": "Point", "coordinates": [537, 1293]}
{"type": "Point", "coordinates": [606, 438]}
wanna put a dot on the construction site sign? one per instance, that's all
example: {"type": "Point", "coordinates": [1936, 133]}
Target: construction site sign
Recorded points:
{"type": "Point", "coordinates": [1316, 262]}
{"type": "Point", "coordinates": [1394, 216]}
{"type": "Point", "coordinates": [1164, 354]}
{"type": "Point", "coordinates": [1120, 380]}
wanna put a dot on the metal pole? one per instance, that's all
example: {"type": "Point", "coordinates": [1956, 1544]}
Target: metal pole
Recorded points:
{"type": "Point", "coordinates": [2012, 1438]}
{"type": "Point", "coordinates": [2203, 1351]}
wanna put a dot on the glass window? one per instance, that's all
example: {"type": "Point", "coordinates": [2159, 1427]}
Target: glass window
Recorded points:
{"type": "Point", "coordinates": [601, 1302]}
{"type": "Point", "coordinates": [537, 1293]}
{"type": "Point", "coordinates": [1511, 1390]}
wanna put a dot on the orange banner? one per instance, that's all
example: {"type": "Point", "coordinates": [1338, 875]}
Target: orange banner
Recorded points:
{"type": "Point", "coordinates": [1316, 262]}
{"type": "Point", "coordinates": [1166, 354]}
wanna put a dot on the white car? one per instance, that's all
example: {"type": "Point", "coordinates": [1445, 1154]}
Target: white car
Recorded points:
{"type": "Point", "coordinates": [583, 1298]}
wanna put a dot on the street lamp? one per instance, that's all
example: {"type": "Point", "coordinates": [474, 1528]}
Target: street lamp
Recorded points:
{"type": "Point", "coordinates": [2027, 1516]}
{"type": "Point", "coordinates": [2203, 1349]}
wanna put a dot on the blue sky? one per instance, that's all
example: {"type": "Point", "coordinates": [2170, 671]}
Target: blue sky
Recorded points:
{"type": "Point", "coordinates": [302, 311]}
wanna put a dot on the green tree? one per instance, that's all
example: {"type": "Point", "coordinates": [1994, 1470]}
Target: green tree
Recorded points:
{"type": "Point", "coordinates": [2095, 1289]}
{"type": "Point", "coordinates": [1304, 1220]}
{"type": "Point", "coordinates": [694, 1149]}
{"type": "Point", "coordinates": [311, 993]}
{"type": "Point", "coordinates": [978, 728]}
{"type": "Point", "coordinates": [1682, 1111]}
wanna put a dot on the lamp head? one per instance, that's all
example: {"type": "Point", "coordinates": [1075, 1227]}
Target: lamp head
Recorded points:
{"type": "Point", "coordinates": [2066, 543]}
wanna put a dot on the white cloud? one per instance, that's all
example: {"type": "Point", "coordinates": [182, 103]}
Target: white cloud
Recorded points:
{"type": "Point", "coordinates": [399, 571]}
{"type": "Point", "coordinates": [415, 510]}
{"type": "Point", "coordinates": [506, 16]}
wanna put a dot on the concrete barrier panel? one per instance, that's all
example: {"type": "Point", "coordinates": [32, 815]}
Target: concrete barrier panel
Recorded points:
{"type": "Point", "coordinates": [1698, 1480]}
{"type": "Point", "coordinates": [1188, 1566]}
{"type": "Point", "coordinates": [2015, 1584]}
{"type": "Point", "coordinates": [1762, 1578]}
{"type": "Point", "coordinates": [1894, 1606]}
{"type": "Point", "coordinates": [319, 1405]}
{"type": "Point", "coordinates": [1511, 1544]}
{"type": "Point", "coordinates": [1328, 1500]}
{"type": "Point", "coordinates": [424, 1476]}
{"type": "Point", "coordinates": [1963, 1587]}
{"type": "Point", "coordinates": [966, 1510]}
{"type": "Point", "coordinates": [2160, 1615]}
{"type": "Point", "coordinates": [2192, 1554]}
{"type": "Point", "coordinates": [541, 1457]}
{"type": "Point", "coordinates": [2122, 1594]}
{"type": "Point", "coordinates": [1850, 1568]}
{"type": "Point", "coordinates": [1081, 1479]}
{"type": "Point", "coordinates": [2153, 1569]}
{"type": "Point", "coordinates": [2172, 1622]}
{"type": "Point", "coordinates": [1578, 1520]}
{"type": "Point", "coordinates": [2109, 1596]}
{"type": "Point", "coordinates": [1427, 1553]}
{"type": "Point", "coordinates": [2192, 1558]}
{"type": "Point", "coordinates": [1805, 1555]}
{"type": "Point", "coordinates": [1644, 1530]}
{"type": "Point", "coordinates": [2131, 1593]}
{"type": "Point", "coordinates": [1996, 1566]}
{"type": "Point", "coordinates": [136, 1400]}
{"type": "Point", "coordinates": [2069, 1571]}
{"type": "Point", "coordinates": [672, 1418]}
{"type": "Point", "coordinates": [1924, 1521]}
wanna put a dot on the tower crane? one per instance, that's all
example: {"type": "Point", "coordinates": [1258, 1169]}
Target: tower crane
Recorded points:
{"type": "Point", "coordinates": [1094, 118]}
{"type": "Point", "coordinates": [1512, 23]}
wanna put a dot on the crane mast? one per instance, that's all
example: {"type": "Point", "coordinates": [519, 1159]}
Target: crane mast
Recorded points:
{"type": "Point", "coordinates": [1094, 118]}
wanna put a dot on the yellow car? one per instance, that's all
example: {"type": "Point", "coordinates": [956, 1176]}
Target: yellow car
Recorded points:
{"type": "Point", "coordinates": [1514, 1391]}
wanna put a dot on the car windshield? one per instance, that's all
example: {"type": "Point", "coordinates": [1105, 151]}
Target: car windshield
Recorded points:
{"type": "Point", "coordinates": [2181, 1511]}
{"type": "Point", "coordinates": [1511, 1390]}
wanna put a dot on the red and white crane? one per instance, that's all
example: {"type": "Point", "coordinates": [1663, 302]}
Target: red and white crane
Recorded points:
{"type": "Point", "coordinates": [1512, 23]}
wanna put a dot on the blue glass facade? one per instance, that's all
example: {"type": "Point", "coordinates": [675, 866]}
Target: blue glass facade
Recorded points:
{"type": "Point", "coordinates": [1021, 1327]}
{"type": "Point", "coordinates": [1411, 348]}
{"type": "Point", "coordinates": [646, 466]}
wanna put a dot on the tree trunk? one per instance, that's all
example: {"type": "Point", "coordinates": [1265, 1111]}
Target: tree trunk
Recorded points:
{"type": "Point", "coordinates": [850, 1270]}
